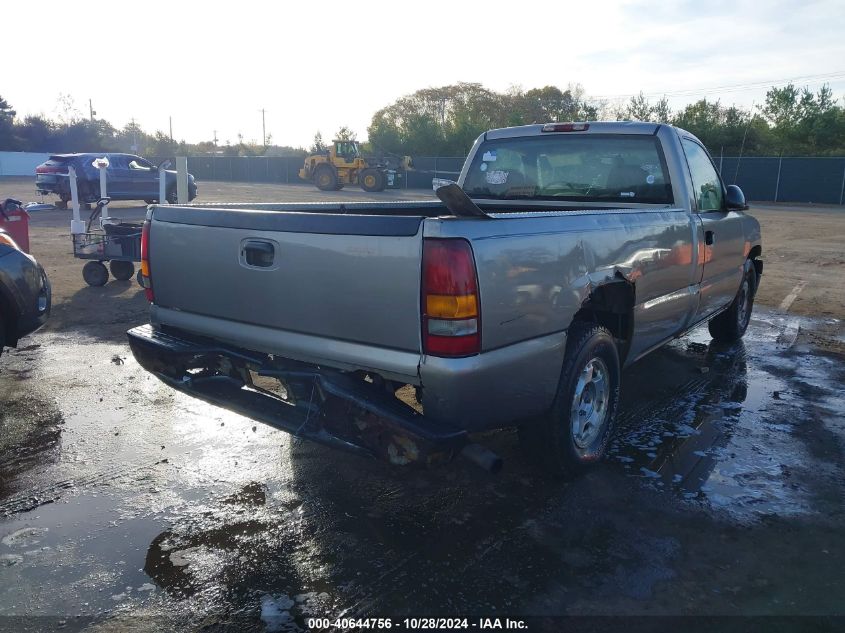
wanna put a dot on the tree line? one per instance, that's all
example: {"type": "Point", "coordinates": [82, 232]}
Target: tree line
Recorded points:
{"type": "Point", "coordinates": [445, 121]}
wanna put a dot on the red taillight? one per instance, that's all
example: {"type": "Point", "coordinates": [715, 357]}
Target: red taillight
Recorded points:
{"type": "Point", "coordinates": [451, 310]}
{"type": "Point", "coordinates": [566, 127]}
{"type": "Point", "coordinates": [48, 169]}
{"type": "Point", "coordinates": [146, 279]}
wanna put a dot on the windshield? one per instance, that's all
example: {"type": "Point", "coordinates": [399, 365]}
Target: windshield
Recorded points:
{"type": "Point", "coordinates": [583, 168]}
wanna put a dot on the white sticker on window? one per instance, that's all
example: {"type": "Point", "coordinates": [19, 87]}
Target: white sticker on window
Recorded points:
{"type": "Point", "coordinates": [489, 156]}
{"type": "Point", "coordinates": [496, 177]}
{"type": "Point", "coordinates": [627, 194]}
{"type": "Point", "coordinates": [649, 179]}
{"type": "Point", "coordinates": [483, 167]}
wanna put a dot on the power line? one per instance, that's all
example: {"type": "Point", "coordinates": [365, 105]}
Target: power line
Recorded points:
{"type": "Point", "coordinates": [729, 88]}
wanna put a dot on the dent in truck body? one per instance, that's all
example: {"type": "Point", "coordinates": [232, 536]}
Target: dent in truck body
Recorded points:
{"type": "Point", "coordinates": [537, 271]}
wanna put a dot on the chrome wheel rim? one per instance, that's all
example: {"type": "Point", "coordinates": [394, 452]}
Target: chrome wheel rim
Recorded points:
{"type": "Point", "coordinates": [589, 403]}
{"type": "Point", "coordinates": [744, 304]}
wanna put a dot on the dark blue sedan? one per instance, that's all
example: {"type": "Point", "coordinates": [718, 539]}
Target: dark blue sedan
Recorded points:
{"type": "Point", "coordinates": [130, 177]}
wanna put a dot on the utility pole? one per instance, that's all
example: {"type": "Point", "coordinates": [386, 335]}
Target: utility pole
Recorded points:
{"type": "Point", "coordinates": [91, 109]}
{"type": "Point", "coordinates": [215, 138]}
{"type": "Point", "coordinates": [134, 136]}
{"type": "Point", "coordinates": [171, 128]}
{"type": "Point", "coordinates": [263, 129]}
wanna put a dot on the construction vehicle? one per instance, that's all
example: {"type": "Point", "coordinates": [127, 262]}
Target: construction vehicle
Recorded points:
{"type": "Point", "coordinates": [342, 164]}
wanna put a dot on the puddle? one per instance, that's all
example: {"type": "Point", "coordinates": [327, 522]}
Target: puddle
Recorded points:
{"type": "Point", "coordinates": [727, 432]}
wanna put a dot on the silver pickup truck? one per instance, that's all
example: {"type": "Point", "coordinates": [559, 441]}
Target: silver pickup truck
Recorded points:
{"type": "Point", "coordinates": [564, 253]}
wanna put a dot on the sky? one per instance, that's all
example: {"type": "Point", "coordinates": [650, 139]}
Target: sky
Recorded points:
{"type": "Point", "coordinates": [315, 66]}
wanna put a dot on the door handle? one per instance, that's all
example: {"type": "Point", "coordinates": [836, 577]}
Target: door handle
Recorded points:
{"type": "Point", "coordinates": [709, 238]}
{"type": "Point", "coordinates": [258, 254]}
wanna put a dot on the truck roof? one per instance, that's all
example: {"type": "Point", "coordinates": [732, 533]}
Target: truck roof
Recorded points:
{"type": "Point", "coordinates": [595, 127]}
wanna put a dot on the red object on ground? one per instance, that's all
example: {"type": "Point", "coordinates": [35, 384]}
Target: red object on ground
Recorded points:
{"type": "Point", "coordinates": [15, 221]}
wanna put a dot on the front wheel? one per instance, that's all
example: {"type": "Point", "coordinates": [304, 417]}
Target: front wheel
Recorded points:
{"type": "Point", "coordinates": [371, 180]}
{"type": "Point", "coordinates": [730, 325]}
{"type": "Point", "coordinates": [576, 431]}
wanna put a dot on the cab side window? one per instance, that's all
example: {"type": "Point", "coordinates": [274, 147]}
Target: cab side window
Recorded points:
{"type": "Point", "coordinates": [117, 162]}
{"type": "Point", "coordinates": [705, 180]}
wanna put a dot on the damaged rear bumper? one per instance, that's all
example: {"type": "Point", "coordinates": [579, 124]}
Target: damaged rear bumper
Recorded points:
{"type": "Point", "coordinates": [320, 404]}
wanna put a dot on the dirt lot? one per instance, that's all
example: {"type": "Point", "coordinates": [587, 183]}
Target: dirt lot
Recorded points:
{"type": "Point", "coordinates": [127, 506]}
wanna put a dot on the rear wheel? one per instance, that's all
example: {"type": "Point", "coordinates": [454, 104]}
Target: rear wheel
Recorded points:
{"type": "Point", "coordinates": [325, 178]}
{"type": "Point", "coordinates": [95, 274]}
{"type": "Point", "coordinates": [576, 431]}
{"type": "Point", "coordinates": [122, 270]}
{"type": "Point", "coordinates": [731, 324]}
{"type": "Point", "coordinates": [371, 180]}
{"type": "Point", "coordinates": [172, 196]}
{"type": "Point", "coordinates": [63, 200]}
{"type": "Point", "coordinates": [139, 277]}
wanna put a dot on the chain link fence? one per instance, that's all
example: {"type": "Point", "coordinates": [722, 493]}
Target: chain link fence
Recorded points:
{"type": "Point", "coordinates": [819, 180]}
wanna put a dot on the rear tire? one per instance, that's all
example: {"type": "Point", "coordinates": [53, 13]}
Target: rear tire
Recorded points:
{"type": "Point", "coordinates": [139, 277]}
{"type": "Point", "coordinates": [95, 274]}
{"type": "Point", "coordinates": [172, 196]}
{"type": "Point", "coordinates": [576, 430]}
{"type": "Point", "coordinates": [730, 325]}
{"type": "Point", "coordinates": [122, 270]}
{"type": "Point", "coordinates": [325, 178]}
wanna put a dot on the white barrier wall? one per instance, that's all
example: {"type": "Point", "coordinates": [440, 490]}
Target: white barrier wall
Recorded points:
{"type": "Point", "coordinates": [20, 163]}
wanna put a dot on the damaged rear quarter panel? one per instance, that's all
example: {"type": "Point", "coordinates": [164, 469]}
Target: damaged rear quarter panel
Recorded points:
{"type": "Point", "coordinates": [534, 274]}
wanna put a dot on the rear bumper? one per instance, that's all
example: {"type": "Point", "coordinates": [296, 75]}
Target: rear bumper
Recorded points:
{"type": "Point", "coordinates": [51, 184]}
{"type": "Point", "coordinates": [324, 405]}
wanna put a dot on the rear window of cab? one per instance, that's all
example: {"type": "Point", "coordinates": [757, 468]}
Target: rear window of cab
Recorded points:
{"type": "Point", "coordinates": [576, 167]}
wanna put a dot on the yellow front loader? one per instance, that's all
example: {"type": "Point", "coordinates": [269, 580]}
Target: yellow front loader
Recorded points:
{"type": "Point", "coordinates": [342, 164]}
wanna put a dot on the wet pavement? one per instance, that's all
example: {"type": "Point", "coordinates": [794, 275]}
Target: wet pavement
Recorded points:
{"type": "Point", "coordinates": [139, 508]}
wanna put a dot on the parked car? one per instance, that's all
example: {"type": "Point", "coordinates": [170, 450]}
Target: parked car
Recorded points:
{"type": "Point", "coordinates": [564, 253]}
{"type": "Point", "coordinates": [130, 177]}
{"type": "Point", "coordinates": [24, 293]}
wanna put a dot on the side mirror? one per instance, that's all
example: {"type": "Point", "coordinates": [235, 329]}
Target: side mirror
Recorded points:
{"type": "Point", "coordinates": [735, 199]}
